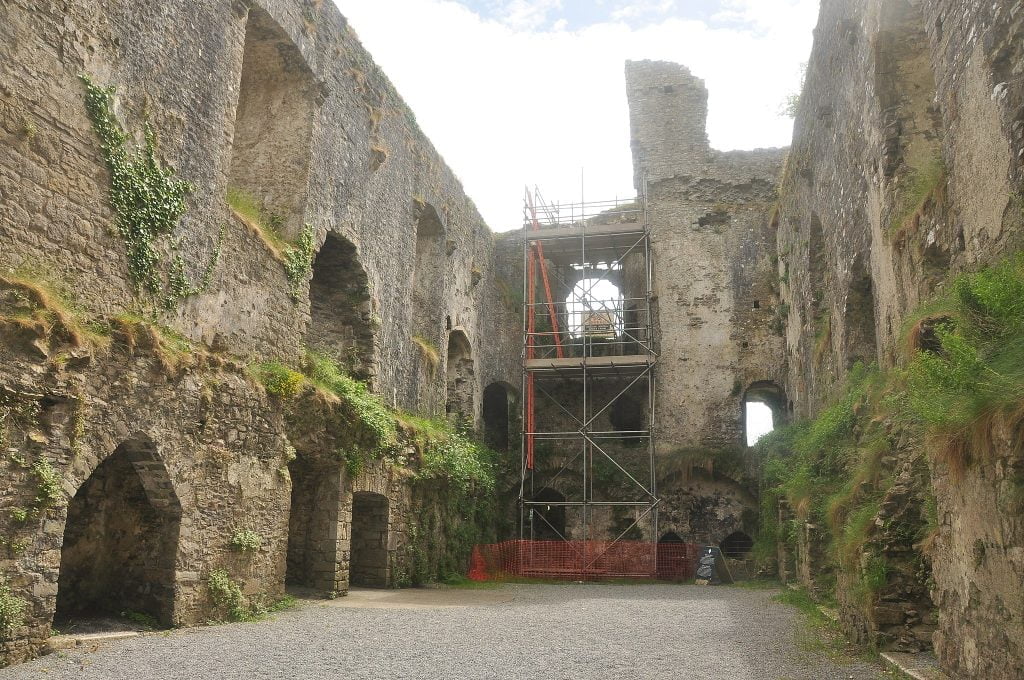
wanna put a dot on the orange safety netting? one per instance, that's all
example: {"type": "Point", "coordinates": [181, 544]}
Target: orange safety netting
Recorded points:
{"type": "Point", "coordinates": [584, 560]}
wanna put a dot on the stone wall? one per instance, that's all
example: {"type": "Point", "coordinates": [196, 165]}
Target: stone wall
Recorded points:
{"type": "Point", "coordinates": [193, 453]}
{"type": "Point", "coordinates": [905, 170]}
{"type": "Point", "coordinates": [277, 102]}
{"type": "Point", "coordinates": [715, 294]}
{"type": "Point", "coordinates": [371, 177]}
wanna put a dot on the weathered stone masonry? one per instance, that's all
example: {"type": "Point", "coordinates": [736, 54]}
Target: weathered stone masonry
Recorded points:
{"type": "Point", "coordinates": [277, 99]}
{"type": "Point", "coordinates": [775, 273]}
{"type": "Point", "coordinates": [710, 215]}
{"type": "Point", "coordinates": [899, 90]}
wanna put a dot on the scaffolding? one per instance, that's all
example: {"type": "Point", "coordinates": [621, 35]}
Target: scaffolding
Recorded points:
{"type": "Point", "coordinates": [584, 350]}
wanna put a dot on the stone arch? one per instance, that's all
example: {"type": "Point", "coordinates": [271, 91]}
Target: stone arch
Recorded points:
{"type": "Point", "coordinates": [368, 552]}
{"type": "Point", "coordinates": [671, 557]}
{"type": "Point", "coordinates": [340, 308]}
{"type": "Point", "coordinates": [428, 273]}
{"type": "Point", "coordinates": [759, 395]}
{"type": "Point", "coordinates": [277, 102]}
{"type": "Point", "coordinates": [314, 557]}
{"type": "Point", "coordinates": [121, 538]}
{"type": "Point", "coordinates": [548, 520]}
{"type": "Point", "coordinates": [460, 405]}
{"type": "Point", "coordinates": [498, 404]}
{"type": "Point", "coordinates": [737, 545]}
{"type": "Point", "coordinates": [860, 342]}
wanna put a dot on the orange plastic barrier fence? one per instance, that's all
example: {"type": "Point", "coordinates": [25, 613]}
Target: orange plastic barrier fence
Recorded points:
{"type": "Point", "coordinates": [584, 560]}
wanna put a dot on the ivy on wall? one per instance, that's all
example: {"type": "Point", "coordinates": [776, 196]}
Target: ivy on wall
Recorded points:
{"type": "Point", "coordinates": [148, 200]}
{"type": "Point", "coordinates": [298, 261]}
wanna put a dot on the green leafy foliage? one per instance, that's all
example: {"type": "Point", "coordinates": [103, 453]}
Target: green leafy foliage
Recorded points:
{"type": "Point", "coordinates": [141, 618]}
{"type": "Point", "coordinates": [12, 611]}
{"type": "Point", "coordinates": [245, 540]}
{"type": "Point", "coordinates": [978, 370]}
{"type": "Point", "coordinates": [278, 379]}
{"type": "Point", "coordinates": [363, 407]}
{"type": "Point", "coordinates": [145, 195]}
{"type": "Point", "coordinates": [48, 491]}
{"type": "Point", "coordinates": [460, 460]}
{"type": "Point", "coordinates": [227, 596]}
{"type": "Point", "coordinates": [298, 261]}
{"type": "Point", "coordinates": [965, 376]}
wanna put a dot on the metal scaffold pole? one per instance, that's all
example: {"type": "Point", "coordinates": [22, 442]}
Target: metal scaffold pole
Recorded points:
{"type": "Point", "coordinates": [588, 348]}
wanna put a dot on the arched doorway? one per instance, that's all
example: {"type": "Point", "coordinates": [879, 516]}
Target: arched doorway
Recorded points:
{"type": "Point", "coordinates": [314, 552]}
{"type": "Point", "coordinates": [121, 539]}
{"type": "Point", "coordinates": [673, 563]}
{"type": "Point", "coordinates": [497, 416]}
{"type": "Point", "coordinates": [548, 520]}
{"type": "Point", "coordinates": [368, 553]}
{"type": "Point", "coordinates": [737, 546]}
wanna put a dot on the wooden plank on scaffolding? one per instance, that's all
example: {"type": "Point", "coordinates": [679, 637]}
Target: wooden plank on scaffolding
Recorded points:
{"type": "Point", "coordinates": [578, 363]}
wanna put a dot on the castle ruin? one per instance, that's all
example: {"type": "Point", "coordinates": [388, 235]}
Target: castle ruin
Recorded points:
{"type": "Point", "coordinates": [251, 326]}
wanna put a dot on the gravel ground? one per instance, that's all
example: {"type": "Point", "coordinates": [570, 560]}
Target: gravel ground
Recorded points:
{"type": "Point", "coordinates": [518, 631]}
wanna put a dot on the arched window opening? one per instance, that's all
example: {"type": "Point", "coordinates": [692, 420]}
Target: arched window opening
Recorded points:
{"type": "Point", "coordinates": [497, 416]}
{"type": "Point", "coordinates": [340, 308]}
{"type": "Point", "coordinates": [459, 406]}
{"type": "Point", "coordinates": [764, 409]}
{"type": "Point", "coordinates": [548, 521]}
{"type": "Point", "coordinates": [277, 98]}
{"type": "Point", "coordinates": [737, 546]}
{"type": "Point", "coordinates": [121, 539]}
{"type": "Point", "coordinates": [859, 313]}
{"type": "Point", "coordinates": [428, 276]}
{"type": "Point", "coordinates": [368, 561]}
{"type": "Point", "coordinates": [595, 310]}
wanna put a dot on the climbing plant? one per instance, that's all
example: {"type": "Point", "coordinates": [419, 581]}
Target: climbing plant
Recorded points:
{"type": "Point", "coordinates": [148, 200]}
{"type": "Point", "coordinates": [298, 261]}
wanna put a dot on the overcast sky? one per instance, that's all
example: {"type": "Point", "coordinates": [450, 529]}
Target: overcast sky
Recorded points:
{"type": "Point", "coordinates": [529, 92]}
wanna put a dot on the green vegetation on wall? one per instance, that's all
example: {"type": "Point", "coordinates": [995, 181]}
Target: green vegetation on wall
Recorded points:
{"type": "Point", "coordinates": [148, 200]}
{"type": "Point", "coordinates": [962, 381]}
{"type": "Point", "coordinates": [297, 257]}
{"type": "Point", "coordinates": [12, 611]}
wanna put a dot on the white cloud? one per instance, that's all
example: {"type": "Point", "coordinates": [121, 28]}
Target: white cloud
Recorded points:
{"type": "Point", "coordinates": [528, 15]}
{"type": "Point", "coordinates": [509, 107]}
{"type": "Point", "coordinates": [641, 8]}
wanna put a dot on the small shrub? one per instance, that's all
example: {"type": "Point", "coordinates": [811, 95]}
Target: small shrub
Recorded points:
{"type": "Point", "coordinates": [12, 611]}
{"type": "Point", "coordinates": [279, 380]}
{"type": "Point", "coordinates": [48, 491]}
{"type": "Point", "coordinates": [452, 455]}
{"type": "Point", "coordinates": [298, 261]}
{"type": "Point", "coordinates": [227, 596]}
{"type": "Point", "coordinates": [245, 540]}
{"type": "Point", "coordinates": [365, 408]}
{"type": "Point", "coordinates": [19, 514]}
